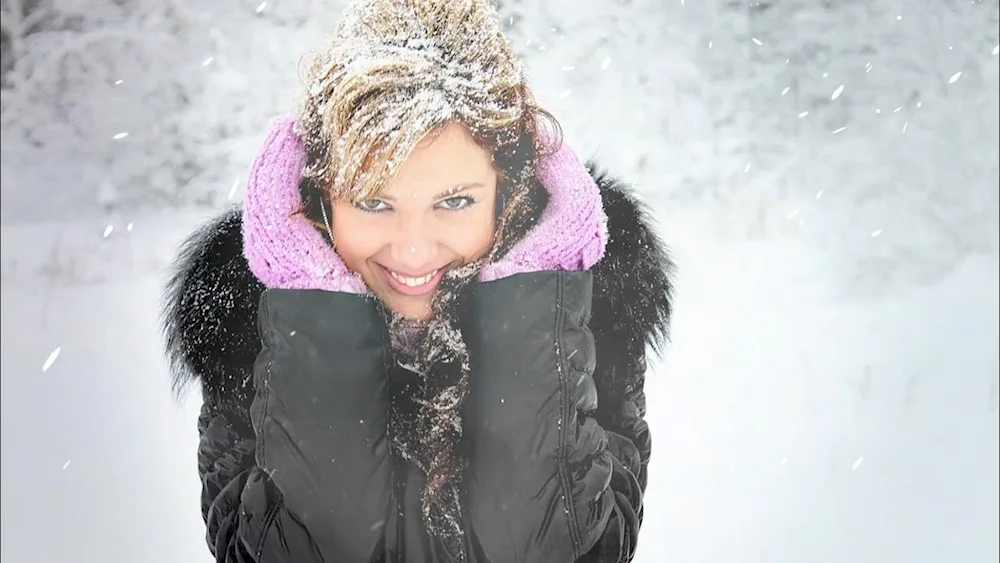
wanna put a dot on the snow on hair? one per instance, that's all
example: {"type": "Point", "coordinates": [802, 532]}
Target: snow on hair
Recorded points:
{"type": "Point", "coordinates": [396, 70]}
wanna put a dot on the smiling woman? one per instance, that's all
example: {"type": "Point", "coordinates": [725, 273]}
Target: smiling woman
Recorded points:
{"type": "Point", "coordinates": [409, 339]}
{"type": "Point", "coordinates": [403, 241]}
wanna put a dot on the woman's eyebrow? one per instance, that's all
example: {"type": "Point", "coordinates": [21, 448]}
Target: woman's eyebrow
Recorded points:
{"type": "Point", "coordinates": [456, 189]}
{"type": "Point", "coordinates": [443, 194]}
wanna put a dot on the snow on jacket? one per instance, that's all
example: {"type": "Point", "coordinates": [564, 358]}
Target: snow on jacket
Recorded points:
{"type": "Point", "coordinates": [294, 457]}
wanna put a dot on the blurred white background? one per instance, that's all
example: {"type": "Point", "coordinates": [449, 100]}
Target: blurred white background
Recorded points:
{"type": "Point", "coordinates": [826, 172]}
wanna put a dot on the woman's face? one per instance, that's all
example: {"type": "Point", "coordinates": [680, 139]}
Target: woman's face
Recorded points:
{"type": "Point", "coordinates": [436, 213]}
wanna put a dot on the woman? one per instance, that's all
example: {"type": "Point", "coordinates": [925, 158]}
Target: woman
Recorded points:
{"type": "Point", "coordinates": [417, 340]}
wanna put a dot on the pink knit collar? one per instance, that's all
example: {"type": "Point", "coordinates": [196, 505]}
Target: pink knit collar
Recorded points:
{"type": "Point", "coordinates": [285, 251]}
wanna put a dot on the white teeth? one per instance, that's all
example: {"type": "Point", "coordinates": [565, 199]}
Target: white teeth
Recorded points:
{"type": "Point", "coordinates": [413, 282]}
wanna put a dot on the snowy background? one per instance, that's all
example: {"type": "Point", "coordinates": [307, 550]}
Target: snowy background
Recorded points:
{"type": "Point", "coordinates": [827, 173]}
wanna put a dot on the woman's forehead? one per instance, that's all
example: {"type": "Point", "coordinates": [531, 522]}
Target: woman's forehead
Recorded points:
{"type": "Point", "coordinates": [446, 160]}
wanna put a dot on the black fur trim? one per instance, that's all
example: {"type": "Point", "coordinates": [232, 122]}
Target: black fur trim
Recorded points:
{"type": "Point", "coordinates": [633, 284]}
{"type": "Point", "coordinates": [209, 316]}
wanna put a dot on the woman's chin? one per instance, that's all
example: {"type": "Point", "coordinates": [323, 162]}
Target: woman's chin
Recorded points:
{"type": "Point", "coordinates": [410, 308]}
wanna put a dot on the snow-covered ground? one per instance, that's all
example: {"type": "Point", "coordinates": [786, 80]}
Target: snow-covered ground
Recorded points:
{"type": "Point", "coordinates": [98, 464]}
{"type": "Point", "coordinates": [789, 425]}
{"type": "Point", "coordinates": [792, 426]}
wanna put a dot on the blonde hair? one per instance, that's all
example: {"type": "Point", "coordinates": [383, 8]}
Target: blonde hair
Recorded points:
{"type": "Point", "coordinates": [397, 70]}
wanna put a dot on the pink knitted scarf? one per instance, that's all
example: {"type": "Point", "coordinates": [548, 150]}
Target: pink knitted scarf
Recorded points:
{"type": "Point", "coordinates": [285, 251]}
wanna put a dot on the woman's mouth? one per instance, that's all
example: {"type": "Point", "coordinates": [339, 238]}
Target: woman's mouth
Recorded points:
{"type": "Point", "coordinates": [413, 286]}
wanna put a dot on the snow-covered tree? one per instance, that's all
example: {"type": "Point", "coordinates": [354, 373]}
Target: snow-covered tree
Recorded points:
{"type": "Point", "coordinates": [877, 134]}
{"type": "Point", "coordinates": [145, 103]}
{"type": "Point", "coordinates": [91, 94]}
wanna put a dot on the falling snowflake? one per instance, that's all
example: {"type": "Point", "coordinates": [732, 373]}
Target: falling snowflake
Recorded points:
{"type": "Point", "coordinates": [954, 77]}
{"type": "Point", "coordinates": [857, 463]}
{"type": "Point", "coordinates": [836, 93]}
{"type": "Point", "coordinates": [108, 230]}
{"type": "Point", "coordinates": [65, 465]}
{"type": "Point", "coordinates": [120, 136]}
{"type": "Point", "coordinates": [51, 359]}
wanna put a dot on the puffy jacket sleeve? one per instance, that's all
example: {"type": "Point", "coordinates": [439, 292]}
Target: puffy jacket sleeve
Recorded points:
{"type": "Point", "coordinates": [239, 502]}
{"type": "Point", "coordinates": [550, 477]}
{"type": "Point", "coordinates": [303, 475]}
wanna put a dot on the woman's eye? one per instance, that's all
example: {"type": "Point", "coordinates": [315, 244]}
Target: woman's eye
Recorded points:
{"type": "Point", "coordinates": [371, 205]}
{"type": "Point", "coordinates": [456, 203]}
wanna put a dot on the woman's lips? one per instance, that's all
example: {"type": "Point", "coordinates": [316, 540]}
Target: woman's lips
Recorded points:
{"type": "Point", "coordinates": [413, 286]}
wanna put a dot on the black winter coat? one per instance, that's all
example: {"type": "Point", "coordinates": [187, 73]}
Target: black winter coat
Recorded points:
{"type": "Point", "coordinates": [293, 455]}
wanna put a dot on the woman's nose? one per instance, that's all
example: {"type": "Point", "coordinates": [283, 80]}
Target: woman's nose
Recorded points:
{"type": "Point", "coordinates": [415, 247]}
